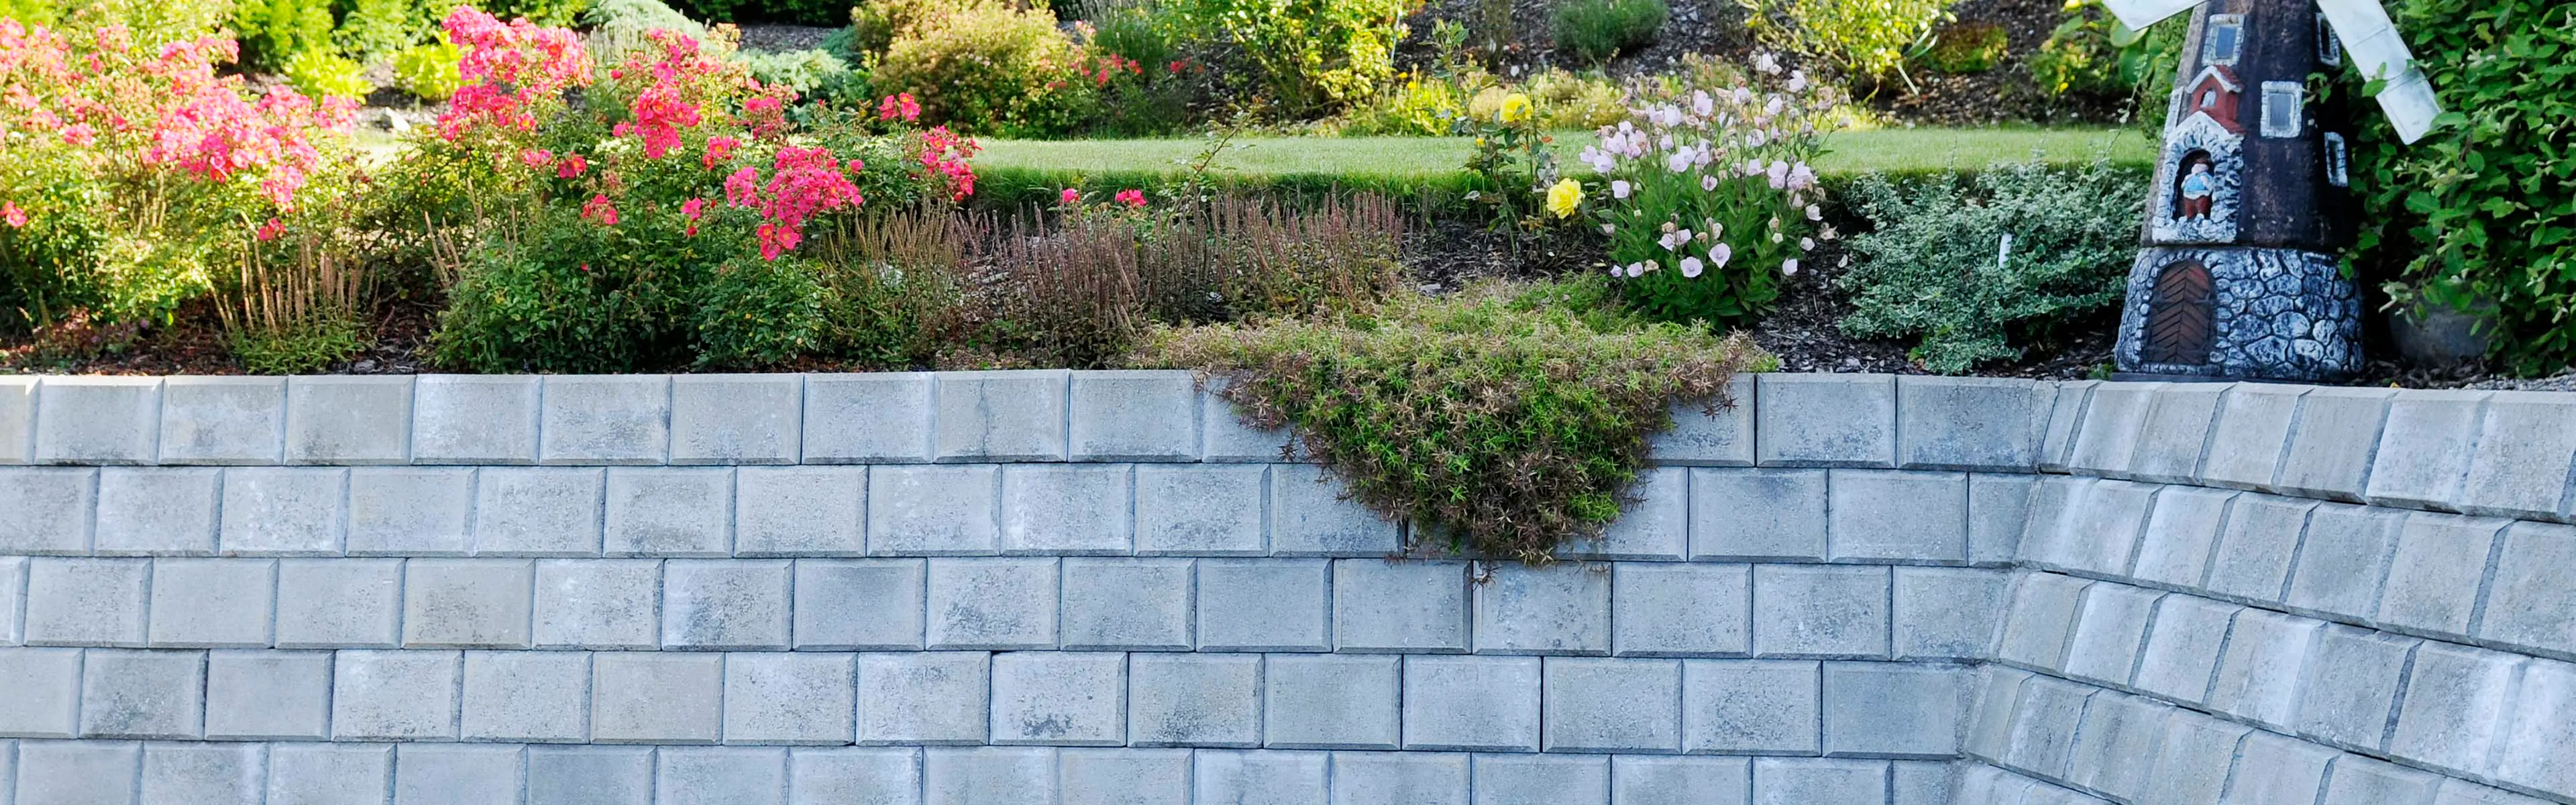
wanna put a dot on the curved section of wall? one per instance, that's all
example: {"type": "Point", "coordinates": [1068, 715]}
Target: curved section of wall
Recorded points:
{"type": "Point", "coordinates": [1096, 587]}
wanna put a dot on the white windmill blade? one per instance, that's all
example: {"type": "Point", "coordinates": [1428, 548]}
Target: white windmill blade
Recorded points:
{"type": "Point", "coordinates": [2408, 100]}
{"type": "Point", "coordinates": [2379, 52]}
{"type": "Point", "coordinates": [2138, 14]}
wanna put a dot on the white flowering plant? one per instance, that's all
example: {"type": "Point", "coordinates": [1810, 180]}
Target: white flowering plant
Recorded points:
{"type": "Point", "coordinates": [1708, 196]}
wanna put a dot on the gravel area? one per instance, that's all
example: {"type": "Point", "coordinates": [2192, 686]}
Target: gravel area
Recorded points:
{"type": "Point", "coordinates": [777, 38]}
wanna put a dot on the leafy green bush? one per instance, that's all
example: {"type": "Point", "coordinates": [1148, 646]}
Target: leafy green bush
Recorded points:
{"type": "Point", "coordinates": [1506, 426]}
{"type": "Point", "coordinates": [619, 27]}
{"type": "Point", "coordinates": [2091, 52]}
{"type": "Point", "coordinates": [988, 68]}
{"type": "Point", "coordinates": [2483, 208]}
{"type": "Point", "coordinates": [541, 12]}
{"type": "Point", "coordinates": [1968, 47]}
{"type": "Point", "coordinates": [372, 29]}
{"type": "Point", "coordinates": [1311, 54]}
{"type": "Point", "coordinates": [429, 72]}
{"type": "Point", "coordinates": [322, 73]}
{"type": "Point", "coordinates": [274, 31]}
{"type": "Point", "coordinates": [805, 71]}
{"type": "Point", "coordinates": [1929, 269]}
{"type": "Point", "coordinates": [1595, 30]}
{"type": "Point", "coordinates": [1865, 38]}
{"type": "Point", "coordinates": [798, 12]}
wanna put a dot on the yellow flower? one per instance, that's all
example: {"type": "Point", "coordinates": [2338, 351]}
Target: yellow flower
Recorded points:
{"type": "Point", "coordinates": [1516, 108]}
{"type": "Point", "coordinates": [1563, 198]}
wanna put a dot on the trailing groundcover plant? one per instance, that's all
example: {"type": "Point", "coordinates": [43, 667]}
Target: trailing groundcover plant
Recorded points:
{"type": "Point", "coordinates": [1506, 423]}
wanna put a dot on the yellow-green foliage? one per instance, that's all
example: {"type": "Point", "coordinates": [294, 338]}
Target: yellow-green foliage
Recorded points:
{"type": "Point", "coordinates": [1313, 53]}
{"type": "Point", "coordinates": [988, 68]}
{"type": "Point", "coordinates": [429, 72]}
{"type": "Point", "coordinates": [321, 73]}
{"type": "Point", "coordinates": [1865, 38]}
{"type": "Point", "coordinates": [1968, 47]}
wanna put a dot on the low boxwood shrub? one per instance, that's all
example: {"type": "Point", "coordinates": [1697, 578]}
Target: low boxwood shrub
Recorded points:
{"type": "Point", "coordinates": [1968, 47]}
{"type": "Point", "coordinates": [1594, 30]}
{"type": "Point", "coordinates": [1503, 424]}
{"type": "Point", "coordinates": [1929, 269]}
{"type": "Point", "coordinates": [1865, 39]}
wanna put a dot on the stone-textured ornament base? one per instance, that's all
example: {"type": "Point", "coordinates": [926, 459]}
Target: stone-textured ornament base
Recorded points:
{"type": "Point", "coordinates": [2275, 314]}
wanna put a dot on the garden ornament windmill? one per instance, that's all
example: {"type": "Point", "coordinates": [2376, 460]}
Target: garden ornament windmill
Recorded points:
{"type": "Point", "coordinates": [2238, 277]}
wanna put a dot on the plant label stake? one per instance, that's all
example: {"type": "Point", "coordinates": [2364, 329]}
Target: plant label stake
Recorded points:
{"type": "Point", "coordinates": [2237, 278]}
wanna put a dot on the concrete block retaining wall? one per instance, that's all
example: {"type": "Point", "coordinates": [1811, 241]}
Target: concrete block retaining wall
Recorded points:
{"type": "Point", "coordinates": [1097, 587]}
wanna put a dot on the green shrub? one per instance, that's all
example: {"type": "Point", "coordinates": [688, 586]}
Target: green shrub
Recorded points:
{"type": "Point", "coordinates": [300, 350]}
{"type": "Point", "coordinates": [1565, 100]}
{"type": "Point", "coordinates": [1865, 38]}
{"type": "Point", "coordinates": [875, 24]}
{"type": "Point", "coordinates": [541, 12]}
{"type": "Point", "coordinates": [1506, 427]}
{"type": "Point", "coordinates": [1595, 30]}
{"type": "Point", "coordinates": [1968, 47]}
{"type": "Point", "coordinates": [797, 12]}
{"type": "Point", "coordinates": [1311, 54]}
{"type": "Point", "coordinates": [805, 71]}
{"type": "Point", "coordinates": [1929, 270]}
{"type": "Point", "coordinates": [2483, 208]}
{"type": "Point", "coordinates": [273, 31]}
{"type": "Point", "coordinates": [2092, 53]}
{"type": "Point", "coordinates": [987, 68]}
{"type": "Point", "coordinates": [429, 72]}
{"type": "Point", "coordinates": [321, 73]}
{"type": "Point", "coordinates": [373, 29]}
{"type": "Point", "coordinates": [619, 27]}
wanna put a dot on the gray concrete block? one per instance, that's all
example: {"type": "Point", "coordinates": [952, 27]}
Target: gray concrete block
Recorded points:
{"type": "Point", "coordinates": [2107, 440]}
{"type": "Point", "coordinates": [1893, 710]}
{"type": "Point", "coordinates": [1827, 421]}
{"type": "Point", "coordinates": [1194, 700]}
{"type": "Point", "coordinates": [1653, 527]}
{"type": "Point", "coordinates": [1308, 517]}
{"type": "Point", "coordinates": [936, 697]}
{"type": "Point", "coordinates": [2456, 704]}
{"type": "Point", "coordinates": [996, 604]}
{"type": "Point", "coordinates": [203, 774]}
{"type": "Point", "coordinates": [1696, 609]}
{"type": "Point", "coordinates": [2262, 665]}
{"type": "Point", "coordinates": [2344, 561]}
{"type": "Point", "coordinates": [1400, 778]}
{"type": "Point", "coordinates": [1264, 605]}
{"type": "Point", "coordinates": [590, 775]}
{"type": "Point", "coordinates": [2040, 620]}
{"type": "Point", "coordinates": [467, 603]}
{"type": "Point", "coordinates": [2109, 629]}
{"type": "Point", "coordinates": [648, 698]}
{"type": "Point", "coordinates": [2175, 433]}
{"type": "Point", "coordinates": [737, 419]}
{"type": "Point", "coordinates": [98, 420]}
{"type": "Point", "coordinates": [1200, 510]}
{"type": "Point", "coordinates": [87, 602]}
{"type": "Point", "coordinates": [1000, 416]}
{"type": "Point", "coordinates": [1123, 777]}
{"type": "Point", "coordinates": [2256, 547]}
{"type": "Point", "coordinates": [2336, 438]}
{"type": "Point", "coordinates": [2182, 647]}
{"type": "Point", "coordinates": [800, 511]}
{"type": "Point", "coordinates": [17, 419]}
{"type": "Point", "coordinates": [934, 511]}
{"type": "Point", "coordinates": [1710, 433]}
{"type": "Point", "coordinates": [857, 776]}
{"type": "Point", "coordinates": [598, 604]}
{"type": "Point", "coordinates": [1227, 437]}
{"type": "Point", "coordinates": [13, 600]}
{"type": "Point", "coordinates": [202, 603]}
{"type": "Point", "coordinates": [436, 774]}
{"type": "Point", "coordinates": [1400, 606]}
{"type": "Point", "coordinates": [2434, 577]}
{"type": "Point", "coordinates": [538, 511]}
{"type": "Point", "coordinates": [1535, 779]}
{"type": "Point", "coordinates": [858, 604]}
{"type": "Point", "coordinates": [394, 695]}
{"type": "Point", "coordinates": [2252, 434]}
{"type": "Point", "coordinates": [2530, 601]}
{"type": "Point", "coordinates": [1134, 416]}
{"type": "Point", "coordinates": [78, 772]}
{"type": "Point", "coordinates": [2191, 764]}
{"type": "Point", "coordinates": [334, 603]}
{"type": "Point", "coordinates": [1783, 781]}
{"type": "Point", "coordinates": [329, 774]}
{"type": "Point", "coordinates": [348, 420]}
{"type": "Point", "coordinates": [1563, 608]}
{"type": "Point", "coordinates": [726, 604]}
{"type": "Point", "coordinates": [1126, 604]}
{"type": "Point", "coordinates": [2354, 678]}
{"type": "Point", "coordinates": [2423, 452]}
{"type": "Point", "coordinates": [1077, 510]}
{"type": "Point", "coordinates": [1648, 780]}
{"type": "Point", "coordinates": [475, 419]}
{"type": "Point", "coordinates": [2115, 747]}
{"type": "Point", "coordinates": [2534, 750]}
{"type": "Point", "coordinates": [222, 420]}
{"type": "Point", "coordinates": [2520, 467]}
{"type": "Point", "coordinates": [1332, 701]}
{"type": "Point", "coordinates": [867, 418]}
{"type": "Point", "coordinates": [655, 511]}
{"type": "Point", "coordinates": [154, 512]}
{"type": "Point", "coordinates": [2180, 533]}
{"type": "Point", "coordinates": [405, 511]}
{"type": "Point", "coordinates": [2461, 792]}
{"type": "Point", "coordinates": [605, 419]}
{"type": "Point", "coordinates": [1883, 514]}
{"type": "Point", "coordinates": [1260, 778]}
{"type": "Point", "coordinates": [2097, 530]}
{"type": "Point", "coordinates": [2043, 540]}
{"type": "Point", "coordinates": [2291, 770]}
{"type": "Point", "coordinates": [1970, 423]}
{"type": "Point", "coordinates": [988, 776]}
{"type": "Point", "coordinates": [1811, 611]}
{"type": "Point", "coordinates": [2045, 719]}
{"type": "Point", "coordinates": [1998, 513]}
{"type": "Point", "coordinates": [2065, 417]}
{"type": "Point", "coordinates": [1606, 705]}
{"type": "Point", "coordinates": [71, 495]}
{"type": "Point", "coordinates": [45, 692]}
{"type": "Point", "coordinates": [1735, 707]}
{"type": "Point", "coordinates": [2359, 780]}
{"type": "Point", "coordinates": [530, 696]}
{"type": "Point", "coordinates": [1758, 514]}
{"type": "Point", "coordinates": [268, 695]}
{"type": "Point", "coordinates": [284, 511]}
{"type": "Point", "coordinates": [789, 698]}
{"type": "Point", "coordinates": [1947, 612]}
{"type": "Point", "coordinates": [1055, 698]}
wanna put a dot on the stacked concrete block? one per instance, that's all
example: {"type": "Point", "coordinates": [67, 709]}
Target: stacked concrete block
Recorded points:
{"type": "Point", "coordinates": [98, 420]}
{"type": "Point", "coordinates": [621, 419]}
{"type": "Point", "coordinates": [473, 419]}
{"type": "Point", "coordinates": [1711, 433]}
{"type": "Point", "coordinates": [737, 419]}
{"type": "Point", "coordinates": [348, 420]}
{"type": "Point", "coordinates": [800, 511]}
{"type": "Point", "coordinates": [1134, 416]}
{"type": "Point", "coordinates": [1194, 700]}
{"type": "Point", "coordinates": [410, 511]}
{"type": "Point", "coordinates": [222, 420]}
{"type": "Point", "coordinates": [867, 419]}
{"type": "Point", "coordinates": [654, 511]}
{"type": "Point", "coordinates": [1964, 423]}
{"type": "Point", "coordinates": [1612, 705]}
{"type": "Point", "coordinates": [1073, 510]}
{"type": "Point", "coordinates": [1000, 416]}
{"type": "Point", "coordinates": [1826, 421]}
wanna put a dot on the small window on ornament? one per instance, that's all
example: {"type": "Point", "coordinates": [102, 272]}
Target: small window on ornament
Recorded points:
{"type": "Point", "coordinates": [2226, 39]}
{"type": "Point", "coordinates": [2338, 163]}
{"type": "Point", "coordinates": [2283, 108]}
{"type": "Point", "coordinates": [2329, 49]}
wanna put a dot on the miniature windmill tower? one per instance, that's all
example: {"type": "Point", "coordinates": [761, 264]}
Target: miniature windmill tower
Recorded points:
{"type": "Point", "coordinates": [2238, 277]}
